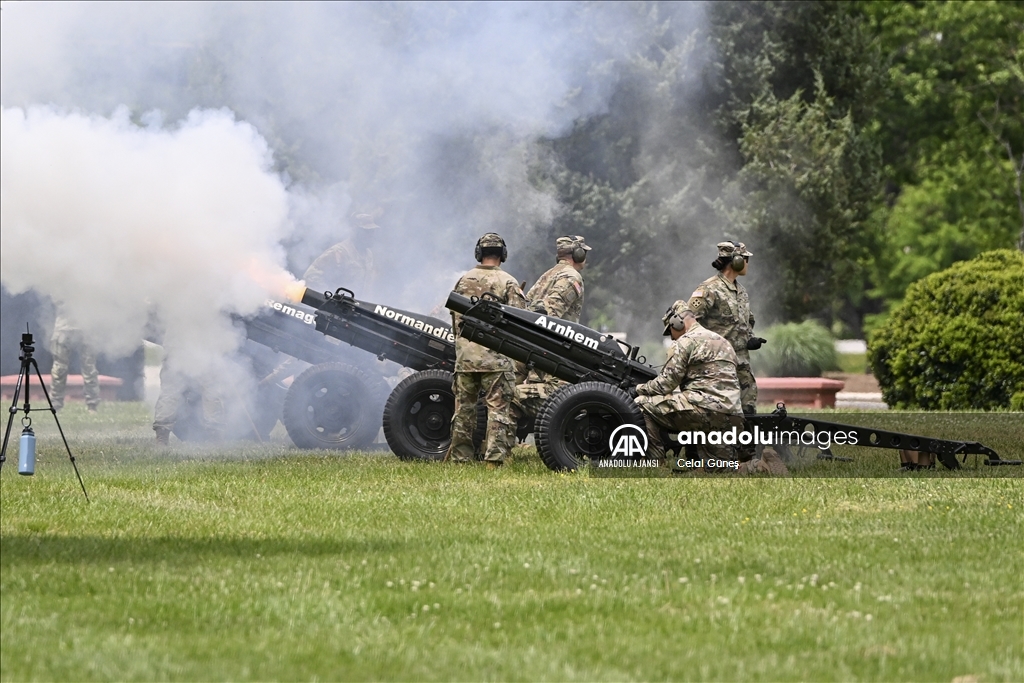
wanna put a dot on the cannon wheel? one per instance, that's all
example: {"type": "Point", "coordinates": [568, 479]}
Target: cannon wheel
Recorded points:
{"type": "Point", "coordinates": [418, 416]}
{"type": "Point", "coordinates": [334, 406]}
{"type": "Point", "coordinates": [576, 422]}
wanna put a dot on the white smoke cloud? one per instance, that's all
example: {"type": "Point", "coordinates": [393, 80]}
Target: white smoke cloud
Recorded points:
{"type": "Point", "coordinates": [117, 221]}
{"type": "Point", "coordinates": [426, 112]}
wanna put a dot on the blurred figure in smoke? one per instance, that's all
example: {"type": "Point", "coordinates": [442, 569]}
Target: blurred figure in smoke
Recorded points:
{"type": "Point", "coordinates": [66, 338]}
{"type": "Point", "coordinates": [176, 388]}
{"type": "Point", "coordinates": [721, 304]}
{"type": "Point", "coordinates": [348, 263]}
{"type": "Point", "coordinates": [559, 294]}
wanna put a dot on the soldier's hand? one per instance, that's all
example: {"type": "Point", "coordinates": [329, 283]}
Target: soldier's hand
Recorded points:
{"type": "Point", "coordinates": [632, 392]}
{"type": "Point", "coordinates": [754, 343]}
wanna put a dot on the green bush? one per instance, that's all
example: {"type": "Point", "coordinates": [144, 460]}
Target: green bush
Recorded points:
{"type": "Point", "coordinates": [795, 350]}
{"type": "Point", "coordinates": [957, 340]}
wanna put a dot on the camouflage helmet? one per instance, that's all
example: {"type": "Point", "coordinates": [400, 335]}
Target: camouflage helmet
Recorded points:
{"type": "Point", "coordinates": [673, 318]}
{"type": "Point", "coordinates": [573, 246]}
{"type": "Point", "coordinates": [727, 249]}
{"type": "Point", "coordinates": [364, 221]}
{"type": "Point", "coordinates": [490, 240]}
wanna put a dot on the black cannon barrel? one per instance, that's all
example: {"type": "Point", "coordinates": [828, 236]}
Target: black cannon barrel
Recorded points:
{"type": "Point", "coordinates": [409, 339]}
{"type": "Point", "coordinates": [567, 350]}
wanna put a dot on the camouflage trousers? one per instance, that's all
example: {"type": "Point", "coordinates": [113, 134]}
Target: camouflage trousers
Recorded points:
{"type": "Point", "coordinates": [531, 394]}
{"type": "Point", "coordinates": [173, 387]}
{"type": "Point", "coordinates": [497, 390]}
{"type": "Point", "coordinates": [64, 342]}
{"type": "Point", "coordinates": [662, 415]}
{"type": "Point", "coordinates": [748, 389]}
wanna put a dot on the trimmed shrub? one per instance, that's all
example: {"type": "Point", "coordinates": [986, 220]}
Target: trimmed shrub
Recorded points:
{"type": "Point", "coordinates": [795, 350]}
{"type": "Point", "coordinates": [957, 340]}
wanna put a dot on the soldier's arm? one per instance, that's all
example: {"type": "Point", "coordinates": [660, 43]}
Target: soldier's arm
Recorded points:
{"type": "Point", "coordinates": [514, 294]}
{"type": "Point", "coordinates": [561, 296]}
{"type": "Point", "coordinates": [671, 375]}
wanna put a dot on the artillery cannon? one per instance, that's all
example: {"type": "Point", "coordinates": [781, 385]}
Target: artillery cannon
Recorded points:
{"type": "Point", "coordinates": [338, 403]}
{"type": "Point", "coordinates": [576, 422]}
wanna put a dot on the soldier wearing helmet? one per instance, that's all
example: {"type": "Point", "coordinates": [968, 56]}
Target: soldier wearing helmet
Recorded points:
{"type": "Point", "coordinates": [557, 293]}
{"type": "Point", "coordinates": [721, 305]}
{"type": "Point", "coordinates": [348, 263]}
{"type": "Point", "coordinates": [702, 367]}
{"type": "Point", "coordinates": [698, 391]}
{"type": "Point", "coordinates": [478, 370]}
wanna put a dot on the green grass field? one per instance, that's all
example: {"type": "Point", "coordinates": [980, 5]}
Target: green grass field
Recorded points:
{"type": "Point", "coordinates": [258, 562]}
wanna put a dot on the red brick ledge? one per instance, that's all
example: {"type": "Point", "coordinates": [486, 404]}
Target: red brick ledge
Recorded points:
{"type": "Point", "coordinates": [803, 392]}
{"type": "Point", "coordinates": [75, 390]}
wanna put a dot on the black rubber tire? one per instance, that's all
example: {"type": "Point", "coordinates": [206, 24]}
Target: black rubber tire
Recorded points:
{"type": "Point", "coordinates": [575, 423]}
{"type": "Point", "coordinates": [334, 406]}
{"type": "Point", "coordinates": [418, 416]}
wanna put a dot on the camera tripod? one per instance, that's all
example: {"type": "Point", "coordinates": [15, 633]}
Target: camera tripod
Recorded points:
{"type": "Point", "coordinates": [25, 378]}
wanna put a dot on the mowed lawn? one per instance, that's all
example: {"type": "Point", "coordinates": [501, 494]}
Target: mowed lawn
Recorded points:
{"type": "Point", "coordinates": [259, 561]}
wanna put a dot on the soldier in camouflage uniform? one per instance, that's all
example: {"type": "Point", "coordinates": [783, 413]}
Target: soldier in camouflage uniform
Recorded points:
{"type": "Point", "coordinates": [479, 370]}
{"type": "Point", "coordinates": [557, 293]}
{"type": "Point", "coordinates": [721, 305]}
{"type": "Point", "coordinates": [348, 263]}
{"type": "Point", "coordinates": [67, 337]}
{"type": "Point", "coordinates": [174, 385]}
{"type": "Point", "coordinates": [697, 389]}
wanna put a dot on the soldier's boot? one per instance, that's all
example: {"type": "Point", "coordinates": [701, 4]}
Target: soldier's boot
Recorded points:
{"type": "Point", "coordinates": [163, 436]}
{"type": "Point", "coordinates": [769, 463]}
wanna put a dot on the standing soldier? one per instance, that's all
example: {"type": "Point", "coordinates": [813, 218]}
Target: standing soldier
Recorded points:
{"type": "Point", "coordinates": [721, 305]}
{"type": "Point", "coordinates": [479, 370]}
{"type": "Point", "coordinates": [348, 263]}
{"type": "Point", "coordinates": [558, 293]}
{"type": "Point", "coordinates": [66, 337]}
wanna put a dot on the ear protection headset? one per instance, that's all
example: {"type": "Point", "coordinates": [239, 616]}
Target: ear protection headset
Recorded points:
{"type": "Point", "coordinates": [478, 252]}
{"type": "Point", "coordinates": [737, 261]}
{"type": "Point", "coordinates": [674, 320]}
{"type": "Point", "coordinates": [579, 254]}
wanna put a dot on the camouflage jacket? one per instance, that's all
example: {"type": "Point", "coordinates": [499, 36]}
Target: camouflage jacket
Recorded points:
{"type": "Point", "coordinates": [702, 365]}
{"type": "Point", "coordinates": [470, 357]}
{"type": "Point", "coordinates": [559, 291]}
{"type": "Point", "coordinates": [342, 266]}
{"type": "Point", "coordinates": [724, 307]}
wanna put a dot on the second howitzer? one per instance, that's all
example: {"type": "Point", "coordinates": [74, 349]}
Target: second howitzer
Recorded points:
{"type": "Point", "coordinates": [575, 424]}
{"type": "Point", "coordinates": [339, 405]}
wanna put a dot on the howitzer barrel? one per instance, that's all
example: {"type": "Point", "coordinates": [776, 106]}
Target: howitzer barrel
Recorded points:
{"type": "Point", "coordinates": [567, 350]}
{"type": "Point", "coordinates": [409, 339]}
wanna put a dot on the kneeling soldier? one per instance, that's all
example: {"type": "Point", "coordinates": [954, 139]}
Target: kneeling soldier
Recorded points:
{"type": "Point", "coordinates": [702, 366]}
{"type": "Point", "coordinates": [698, 391]}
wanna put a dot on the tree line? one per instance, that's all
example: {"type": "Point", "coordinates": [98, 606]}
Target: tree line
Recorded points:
{"type": "Point", "coordinates": [860, 145]}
